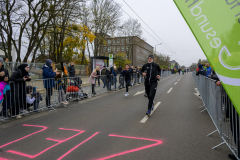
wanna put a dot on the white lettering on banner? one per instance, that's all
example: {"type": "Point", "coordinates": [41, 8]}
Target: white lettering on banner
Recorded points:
{"type": "Point", "coordinates": [225, 50]}
{"type": "Point", "coordinates": [196, 11]}
{"type": "Point", "coordinates": [215, 42]}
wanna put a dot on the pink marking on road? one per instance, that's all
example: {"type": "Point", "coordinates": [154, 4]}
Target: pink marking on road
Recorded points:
{"type": "Point", "coordinates": [77, 146]}
{"type": "Point", "coordinates": [3, 158]}
{"type": "Point", "coordinates": [44, 128]}
{"type": "Point", "coordinates": [59, 142]}
{"type": "Point", "coordinates": [158, 142]}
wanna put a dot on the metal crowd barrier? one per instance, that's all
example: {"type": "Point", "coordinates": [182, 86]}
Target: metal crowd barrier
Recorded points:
{"type": "Point", "coordinates": [222, 112]}
{"type": "Point", "coordinates": [50, 94]}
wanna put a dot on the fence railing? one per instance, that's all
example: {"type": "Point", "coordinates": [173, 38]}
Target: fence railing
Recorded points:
{"type": "Point", "coordinates": [221, 110]}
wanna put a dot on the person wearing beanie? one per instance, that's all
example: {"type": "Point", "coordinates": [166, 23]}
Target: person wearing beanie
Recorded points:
{"type": "Point", "coordinates": [49, 82]}
{"type": "Point", "coordinates": [152, 72]}
{"type": "Point", "coordinates": [201, 71]}
{"type": "Point", "coordinates": [18, 89]}
{"type": "Point", "coordinates": [4, 77]}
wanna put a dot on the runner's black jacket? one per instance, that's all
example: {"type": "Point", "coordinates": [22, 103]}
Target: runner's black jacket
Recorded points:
{"type": "Point", "coordinates": [127, 74]}
{"type": "Point", "coordinates": [152, 70]}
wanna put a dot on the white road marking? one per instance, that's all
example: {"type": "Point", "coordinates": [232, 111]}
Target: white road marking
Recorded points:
{"type": "Point", "coordinates": [179, 79]}
{"type": "Point", "coordinates": [170, 90]}
{"type": "Point", "coordinates": [146, 117]}
{"type": "Point", "coordinates": [139, 92]}
{"type": "Point", "coordinates": [175, 83]}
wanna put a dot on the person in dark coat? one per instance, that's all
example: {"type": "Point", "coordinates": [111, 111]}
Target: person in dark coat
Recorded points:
{"type": "Point", "coordinates": [103, 76]}
{"type": "Point", "coordinates": [109, 78]}
{"type": "Point", "coordinates": [71, 70]}
{"type": "Point", "coordinates": [201, 71]}
{"type": "Point", "coordinates": [4, 77]}
{"type": "Point", "coordinates": [98, 78]}
{"type": "Point", "coordinates": [49, 82]}
{"type": "Point", "coordinates": [18, 88]}
{"type": "Point", "coordinates": [119, 69]}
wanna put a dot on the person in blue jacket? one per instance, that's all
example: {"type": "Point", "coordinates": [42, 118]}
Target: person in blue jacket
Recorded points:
{"type": "Point", "coordinates": [209, 70]}
{"type": "Point", "coordinates": [49, 82]}
{"type": "Point", "coordinates": [115, 73]}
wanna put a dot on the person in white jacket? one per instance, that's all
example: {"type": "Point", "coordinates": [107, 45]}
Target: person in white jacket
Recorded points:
{"type": "Point", "coordinates": [34, 99]}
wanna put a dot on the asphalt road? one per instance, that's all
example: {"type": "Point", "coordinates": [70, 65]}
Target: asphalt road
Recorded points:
{"type": "Point", "coordinates": [109, 127]}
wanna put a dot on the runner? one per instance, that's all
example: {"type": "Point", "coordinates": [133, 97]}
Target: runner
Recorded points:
{"type": "Point", "coordinates": [127, 74]}
{"type": "Point", "coordinates": [152, 76]}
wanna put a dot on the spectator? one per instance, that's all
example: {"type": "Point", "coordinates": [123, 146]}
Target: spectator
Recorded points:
{"type": "Point", "coordinates": [103, 76]}
{"type": "Point", "coordinates": [201, 71]}
{"type": "Point", "coordinates": [34, 99]}
{"type": "Point", "coordinates": [62, 71]}
{"type": "Point", "coordinates": [4, 78]}
{"type": "Point", "coordinates": [61, 93]}
{"type": "Point", "coordinates": [179, 71]}
{"type": "Point", "coordinates": [121, 80]}
{"type": "Point", "coordinates": [209, 70]}
{"type": "Point", "coordinates": [119, 69]}
{"type": "Point", "coordinates": [18, 89]}
{"type": "Point", "coordinates": [92, 79]}
{"type": "Point", "coordinates": [5, 62]}
{"type": "Point", "coordinates": [98, 78]}
{"type": "Point", "coordinates": [49, 82]}
{"type": "Point", "coordinates": [133, 74]}
{"type": "Point", "coordinates": [71, 70]}
{"type": "Point", "coordinates": [114, 74]}
{"type": "Point", "coordinates": [183, 71]}
{"type": "Point", "coordinates": [109, 78]}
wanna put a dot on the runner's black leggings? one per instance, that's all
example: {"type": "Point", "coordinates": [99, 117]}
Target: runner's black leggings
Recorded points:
{"type": "Point", "coordinates": [127, 84]}
{"type": "Point", "coordinates": [151, 89]}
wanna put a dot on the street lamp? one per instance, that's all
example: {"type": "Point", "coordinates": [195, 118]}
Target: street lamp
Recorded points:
{"type": "Point", "coordinates": [156, 48]}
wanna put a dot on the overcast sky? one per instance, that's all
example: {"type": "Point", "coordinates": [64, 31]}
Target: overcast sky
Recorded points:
{"type": "Point", "coordinates": [164, 18]}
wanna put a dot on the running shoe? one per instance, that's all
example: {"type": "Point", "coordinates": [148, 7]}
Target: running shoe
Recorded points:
{"type": "Point", "coordinates": [126, 94]}
{"type": "Point", "coordinates": [148, 112]}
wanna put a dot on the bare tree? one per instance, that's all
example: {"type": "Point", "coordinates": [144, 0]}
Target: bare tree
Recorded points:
{"type": "Point", "coordinates": [27, 21]}
{"type": "Point", "coordinates": [132, 30]}
{"type": "Point", "coordinates": [105, 18]}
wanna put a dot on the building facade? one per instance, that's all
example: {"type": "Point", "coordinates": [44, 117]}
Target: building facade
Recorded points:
{"type": "Point", "coordinates": [136, 49]}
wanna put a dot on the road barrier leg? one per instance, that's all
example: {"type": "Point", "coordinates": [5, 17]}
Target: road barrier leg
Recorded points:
{"type": "Point", "coordinates": [211, 133]}
{"type": "Point", "coordinates": [202, 106]}
{"type": "Point", "coordinates": [219, 145]}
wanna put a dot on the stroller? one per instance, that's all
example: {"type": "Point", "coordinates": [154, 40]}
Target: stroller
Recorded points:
{"type": "Point", "coordinates": [74, 90]}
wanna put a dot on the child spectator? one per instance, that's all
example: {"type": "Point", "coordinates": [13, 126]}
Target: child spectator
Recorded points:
{"type": "Point", "coordinates": [59, 87]}
{"type": "Point", "coordinates": [34, 99]}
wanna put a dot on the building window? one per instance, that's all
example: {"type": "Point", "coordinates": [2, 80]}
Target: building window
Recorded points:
{"type": "Point", "coordinates": [127, 48]}
{"type": "Point", "coordinates": [123, 41]}
{"type": "Point", "coordinates": [127, 40]}
{"type": "Point", "coordinates": [114, 49]}
{"type": "Point", "coordinates": [118, 41]}
{"type": "Point", "coordinates": [109, 49]}
{"type": "Point", "coordinates": [114, 41]}
{"type": "Point", "coordinates": [123, 49]}
{"type": "Point", "coordinates": [109, 41]}
{"type": "Point", "coordinates": [118, 48]}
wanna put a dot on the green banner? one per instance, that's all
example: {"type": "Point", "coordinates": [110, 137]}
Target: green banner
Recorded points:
{"type": "Point", "coordinates": [216, 26]}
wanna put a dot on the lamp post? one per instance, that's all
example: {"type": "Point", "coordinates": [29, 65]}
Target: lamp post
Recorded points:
{"type": "Point", "coordinates": [156, 48]}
